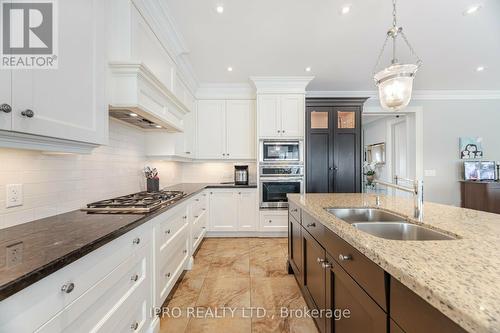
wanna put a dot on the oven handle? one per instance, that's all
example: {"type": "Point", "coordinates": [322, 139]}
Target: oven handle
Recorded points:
{"type": "Point", "coordinates": [280, 179]}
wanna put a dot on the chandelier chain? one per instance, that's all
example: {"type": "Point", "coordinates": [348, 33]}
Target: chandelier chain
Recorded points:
{"type": "Point", "coordinates": [394, 14]}
{"type": "Point", "coordinates": [380, 54]}
{"type": "Point", "coordinates": [412, 51]}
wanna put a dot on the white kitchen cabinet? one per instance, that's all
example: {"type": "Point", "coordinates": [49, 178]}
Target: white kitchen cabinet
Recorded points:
{"type": "Point", "coordinates": [273, 221]}
{"type": "Point", "coordinates": [186, 141]}
{"type": "Point", "coordinates": [233, 210]}
{"type": "Point", "coordinates": [211, 129]}
{"type": "Point", "coordinates": [226, 129]}
{"type": "Point", "coordinates": [5, 99]}
{"type": "Point", "coordinates": [223, 212]}
{"type": "Point", "coordinates": [281, 116]}
{"type": "Point", "coordinates": [247, 210]}
{"type": "Point", "coordinates": [240, 129]}
{"type": "Point", "coordinates": [68, 102]}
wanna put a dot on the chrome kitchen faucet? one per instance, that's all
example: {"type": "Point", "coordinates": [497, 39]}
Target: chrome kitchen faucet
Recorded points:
{"type": "Point", "coordinates": [418, 194]}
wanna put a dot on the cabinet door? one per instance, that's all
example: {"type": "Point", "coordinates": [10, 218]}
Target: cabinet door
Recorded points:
{"type": "Point", "coordinates": [295, 247]}
{"type": "Point", "coordinates": [342, 292]}
{"type": "Point", "coordinates": [314, 276]}
{"type": "Point", "coordinates": [269, 116]}
{"type": "Point", "coordinates": [185, 141]}
{"type": "Point", "coordinates": [211, 130]}
{"type": "Point", "coordinates": [68, 102]}
{"type": "Point", "coordinates": [247, 210]}
{"type": "Point", "coordinates": [240, 129]}
{"type": "Point", "coordinates": [5, 98]}
{"type": "Point", "coordinates": [223, 212]}
{"type": "Point", "coordinates": [292, 115]}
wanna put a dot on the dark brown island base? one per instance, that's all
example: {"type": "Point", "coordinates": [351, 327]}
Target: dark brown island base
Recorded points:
{"type": "Point", "coordinates": [333, 275]}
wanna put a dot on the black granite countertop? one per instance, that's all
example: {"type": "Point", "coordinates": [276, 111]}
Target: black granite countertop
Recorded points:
{"type": "Point", "coordinates": [51, 243]}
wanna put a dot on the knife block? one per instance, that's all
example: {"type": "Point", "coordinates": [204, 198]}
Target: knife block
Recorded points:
{"type": "Point", "coordinates": [153, 184]}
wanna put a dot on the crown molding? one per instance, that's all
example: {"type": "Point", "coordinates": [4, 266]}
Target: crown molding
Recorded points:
{"type": "Point", "coordinates": [281, 84]}
{"type": "Point", "coordinates": [435, 95]}
{"type": "Point", "coordinates": [225, 91]}
{"type": "Point", "coordinates": [157, 15]}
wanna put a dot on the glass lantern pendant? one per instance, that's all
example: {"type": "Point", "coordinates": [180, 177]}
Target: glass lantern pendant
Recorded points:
{"type": "Point", "coordinates": [395, 83]}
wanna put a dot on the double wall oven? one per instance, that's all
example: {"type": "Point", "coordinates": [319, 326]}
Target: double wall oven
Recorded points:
{"type": "Point", "coordinates": [281, 172]}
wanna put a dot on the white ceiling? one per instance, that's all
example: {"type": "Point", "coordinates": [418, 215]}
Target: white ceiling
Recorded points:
{"type": "Point", "coordinates": [283, 37]}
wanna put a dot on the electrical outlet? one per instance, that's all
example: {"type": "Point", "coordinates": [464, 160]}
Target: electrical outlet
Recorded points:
{"type": "Point", "coordinates": [14, 254]}
{"type": "Point", "coordinates": [14, 195]}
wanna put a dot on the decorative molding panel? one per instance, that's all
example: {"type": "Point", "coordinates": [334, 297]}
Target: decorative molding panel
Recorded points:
{"type": "Point", "coordinates": [225, 91]}
{"type": "Point", "coordinates": [417, 94]}
{"type": "Point", "coordinates": [281, 84]}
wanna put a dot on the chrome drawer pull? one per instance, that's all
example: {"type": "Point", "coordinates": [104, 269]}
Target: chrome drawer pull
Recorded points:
{"type": "Point", "coordinates": [326, 265]}
{"type": "Point", "coordinates": [311, 225]}
{"type": "Point", "coordinates": [134, 278]}
{"type": "Point", "coordinates": [196, 199]}
{"type": "Point", "coordinates": [167, 275]}
{"type": "Point", "coordinates": [196, 216]}
{"type": "Point", "coordinates": [134, 326]}
{"type": "Point", "coordinates": [295, 210]}
{"type": "Point", "coordinates": [167, 232]}
{"type": "Point", "coordinates": [136, 241]}
{"type": "Point", "coordinates": [320, 260]}
{"type": "Point", "coordinates": [345, 258]}
{"type": "Point", "coordinates": [185, 251]}
{"type": "Point", "coordinates": [68, 287]}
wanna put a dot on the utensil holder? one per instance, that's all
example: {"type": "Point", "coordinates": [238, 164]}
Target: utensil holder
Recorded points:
{"type": "Point", "coordinates": [153, 185]}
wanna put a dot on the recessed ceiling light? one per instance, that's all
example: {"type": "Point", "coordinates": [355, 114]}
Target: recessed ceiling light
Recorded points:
{"type": "Point", "coordinates": [345, 9]}
{"type": "Point", "coordinates": [472, 9]}
{"type": "Point", "coordinates": [308, 69]}
{"type": "Point", "coordinates": [480, 68]}
{"type": "Point", "coordinates": [157, 126]}
{"type": "Point", "coordinates": [133, 114]}
{"type": "Point", "coordinates": [220, 9]}
{"type": "Point", "coordinates": [230, 69]}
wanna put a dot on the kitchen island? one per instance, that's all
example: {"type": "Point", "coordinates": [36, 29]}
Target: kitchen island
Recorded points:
{"type": "Point", "coordinates": [460, 278]}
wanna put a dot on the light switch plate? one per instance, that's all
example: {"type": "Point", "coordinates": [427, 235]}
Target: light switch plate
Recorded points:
{"type": "Point", "coordinates": [14, 195]}
{"type": "Point", "coordinates": [430, 173]}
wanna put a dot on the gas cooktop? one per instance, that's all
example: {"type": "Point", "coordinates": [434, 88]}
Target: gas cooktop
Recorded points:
{"type": "Point", "coordinates": [137, 203]}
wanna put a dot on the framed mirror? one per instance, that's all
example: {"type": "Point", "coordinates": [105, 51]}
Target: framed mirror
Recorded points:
{"type": "Point", "coordinates": [376, 153]}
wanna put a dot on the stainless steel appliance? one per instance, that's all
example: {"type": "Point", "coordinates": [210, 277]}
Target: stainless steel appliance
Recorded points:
{"type": "Point", "coordinates": [137, 203]}
{"type": "Point", "coordinates": [276, 181]}
{"type": "Point", "coordinates": [281, 151]}
{"type": "Point", "coordinates": [241, 174]}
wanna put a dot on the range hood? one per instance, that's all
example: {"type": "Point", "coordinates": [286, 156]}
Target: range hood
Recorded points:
{"type": "Point", "coordinates": [139, 98]}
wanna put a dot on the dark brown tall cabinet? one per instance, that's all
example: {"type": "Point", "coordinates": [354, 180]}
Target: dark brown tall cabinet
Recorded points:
{"type": "Point", "coordinates": [333, 145]}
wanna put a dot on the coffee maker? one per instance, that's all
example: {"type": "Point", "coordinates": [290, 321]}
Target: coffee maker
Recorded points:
{"type": "Point", "coordinates": [241, 175]}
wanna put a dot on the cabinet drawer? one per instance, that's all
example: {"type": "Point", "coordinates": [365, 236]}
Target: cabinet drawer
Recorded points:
{"type": "Point", "coordinates": [413, 314]}
{"type": "Point", "coordinates": [273, 222]}
{"type": "Point", "coordinates": [44, 299]}
{"type": "Point", "coordinates": [199, 205]}
{"type": "Point", "coordinates": [295, 211]}
{"type": "Point", "coordinates": [368, 274]}
{"type": "Point", "coordinates": [171, 226]}
{"type": "Point", "coordinates": [170, 263]}
{"type": "Point", "coordinates": [316, 229]}
{"type": "Point", "coordinates": [101, 300]}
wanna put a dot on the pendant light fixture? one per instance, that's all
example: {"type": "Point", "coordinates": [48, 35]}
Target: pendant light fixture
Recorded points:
{"type": "Point", "coordinates": [395, 83]}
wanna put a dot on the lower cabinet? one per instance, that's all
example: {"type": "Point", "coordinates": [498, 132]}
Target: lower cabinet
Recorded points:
{"type": "Point", "coordinates": [314, 276]}
{"type": "Point", "coordinates": [343, 293]}
{"type": "Point", "coordinates": [273, 221]}
{"type": "Point", "coordinates": [295, 247]}
{"type": "Point", "coordinates": [233, 210]}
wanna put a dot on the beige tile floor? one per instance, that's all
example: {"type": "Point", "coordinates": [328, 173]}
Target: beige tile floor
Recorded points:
{"type": "Point", "coordinates": [238, 273]}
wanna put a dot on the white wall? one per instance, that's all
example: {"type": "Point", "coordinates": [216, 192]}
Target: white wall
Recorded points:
{"type": "Point", "coordinates": [444, 122]}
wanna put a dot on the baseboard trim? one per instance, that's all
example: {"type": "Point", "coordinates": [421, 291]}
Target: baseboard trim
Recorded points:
{"type": "Point", "coordinates": [241, 234]}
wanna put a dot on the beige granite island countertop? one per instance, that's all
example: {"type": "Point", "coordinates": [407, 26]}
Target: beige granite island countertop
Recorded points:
{"type": "Point", "coordinates": [461, 277]}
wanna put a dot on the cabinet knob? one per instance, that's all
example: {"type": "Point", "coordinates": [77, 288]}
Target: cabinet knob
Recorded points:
{"type": "Point", "coordinates": [6, 108]}
{"type": "Point", "coordinates": [167, 275]}
{"type": "Point", "coordinates": [279, 131]}
{"type": "Point", "coordinates": [134, 277]}
{"type": "Point", "coordinates": [68, 287]}
{"type": "Point", "coordinates": [134, 326]}
{"type": "Point", "coordinates": [283, 131]}
{"type": "Point", "coordinates": [136, 241]}
{"type": "Point", "coordinates": [270, 221]}
{"type": "Point", "coordinates": [167, 232]}
{"type": "Point", "coordinates": [188, 153]}
{"type": "Point", "coordinates": [195, 237]}
{"type": "Point", "coordinates": [311, 225]}
{"type": "Point", "coordinates": [320, 260]}
{"type": "Point", "coordinates": [295, 210]}
{"type": "Point", "coordinates": [184, 217]}
{"type": "Point", "coordinates": [196, 216]}
{"type": "Point", "coordinates": [28, 113]}
{"type": "Point", "coordinates": [185, 251]}
{"type": "Point", "coordinates": [345, 257]}
{"type": "Point", "coordinates": [196, 199]}
{"type": "Point", "coordinates": [239, 193]}
{"type": "Point", "coordinates": [326, 265]}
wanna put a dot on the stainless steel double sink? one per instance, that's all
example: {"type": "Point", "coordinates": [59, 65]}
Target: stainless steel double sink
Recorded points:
{"type": "Point", "coordinates": [383, 224]}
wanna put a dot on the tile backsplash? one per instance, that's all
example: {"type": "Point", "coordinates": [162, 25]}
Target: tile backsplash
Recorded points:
{"type": "Point", "coordinates": [59, 183]}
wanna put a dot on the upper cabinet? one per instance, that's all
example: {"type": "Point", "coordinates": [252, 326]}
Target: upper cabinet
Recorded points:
{"type": "Point", "coordinates": [64, 107]}
{"type": "Point", "coordinates": [281, 106]}
{"type": "Point", "coordinates": [281, 116]}
{"type": "Point", "coordinates": [226, 129]}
